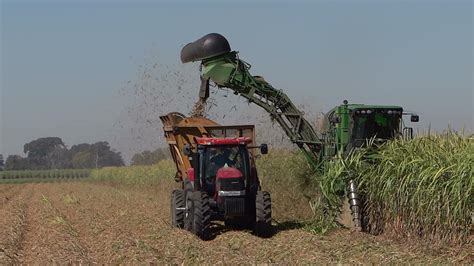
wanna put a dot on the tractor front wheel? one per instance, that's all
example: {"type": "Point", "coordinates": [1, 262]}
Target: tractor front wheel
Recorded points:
{"type": "Point", "coordinates": [200, 214]}
{"type": "Point", "coordinates": [263, 214]}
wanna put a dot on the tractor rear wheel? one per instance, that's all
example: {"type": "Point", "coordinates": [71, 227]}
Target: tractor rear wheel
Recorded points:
{"type": "Point", "coordinates": [263, 214]}
{"type": "Point", "coordinates": [177, 208]}
{"type": "Point", "coordinates": [201, 214]}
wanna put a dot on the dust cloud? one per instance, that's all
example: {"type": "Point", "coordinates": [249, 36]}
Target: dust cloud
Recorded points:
{"type": "Point", "coordinates": [159, 89]}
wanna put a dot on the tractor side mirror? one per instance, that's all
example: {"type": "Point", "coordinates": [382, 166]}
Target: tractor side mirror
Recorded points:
{"type": "Point", "coordinates": [187, 150]}
{"type": "Point", "coordinates": [264, 149]}
{"type": "Point", "coordinates": [414, 118]}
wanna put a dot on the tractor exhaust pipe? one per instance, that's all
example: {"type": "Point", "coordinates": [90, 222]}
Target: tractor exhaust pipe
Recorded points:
{"type": "Point", "coordinates": [355, 205]}
{"type": "Point", "coordinates": [211, 45]}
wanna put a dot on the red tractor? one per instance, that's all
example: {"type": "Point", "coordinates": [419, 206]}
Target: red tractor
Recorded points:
{"type": "Point", "coordinates": [219, 181]}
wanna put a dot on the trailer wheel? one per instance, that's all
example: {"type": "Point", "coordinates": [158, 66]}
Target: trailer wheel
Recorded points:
{"type": "Point", "coordinates": [263, 214]}
{"type": "Point", "coordinates": [177, 208]}
{"type": "Point", "coordinates": [201, 214]}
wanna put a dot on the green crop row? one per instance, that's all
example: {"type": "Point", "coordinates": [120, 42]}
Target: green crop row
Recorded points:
{"type": "Point", "coordinates": [136, 175]}
{"type": "Point", "coordinates": [47, 174]}
{"type": "Point", "coordinates": [422, 187]}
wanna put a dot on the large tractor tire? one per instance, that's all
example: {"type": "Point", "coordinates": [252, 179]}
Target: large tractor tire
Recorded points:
{"type": "Point", "coordinates": [177, 208]}
{"type": "Point", "coordinates": [199, 214]}
{"type": "Point", "coordinates": [263, 214]}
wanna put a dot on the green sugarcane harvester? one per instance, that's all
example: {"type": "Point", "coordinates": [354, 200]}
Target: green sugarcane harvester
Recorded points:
{"type": "Point", "coordinates": [345, 127]}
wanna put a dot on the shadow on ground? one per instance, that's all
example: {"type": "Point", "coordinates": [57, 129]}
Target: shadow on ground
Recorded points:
{"type": "Point", "coordinates": [218, 228]}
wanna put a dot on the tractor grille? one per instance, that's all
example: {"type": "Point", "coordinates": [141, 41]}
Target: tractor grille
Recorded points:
{"type": "Point", "coordinates": [234, 206]}
{"type": "Point", "coordinates": [229, 184]}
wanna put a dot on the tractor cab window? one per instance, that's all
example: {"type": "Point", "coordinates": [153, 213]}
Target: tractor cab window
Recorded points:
{"type": "Point", "coordinates": [221, 156]}
{"type": "Point", "coordinates": [376, 125]}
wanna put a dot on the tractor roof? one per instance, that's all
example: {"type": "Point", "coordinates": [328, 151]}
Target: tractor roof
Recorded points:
{"type": "Point", "coordinates": [223, 141]}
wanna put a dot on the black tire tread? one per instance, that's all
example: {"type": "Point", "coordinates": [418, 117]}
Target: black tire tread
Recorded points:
{"type": "Point", "coordinates": [201, 214]}
{"type": "Point", "coordinates": [263, 214]}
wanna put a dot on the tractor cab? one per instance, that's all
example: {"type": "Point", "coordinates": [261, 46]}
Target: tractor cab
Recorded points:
{"type": "Point", "coordinates": [224, 170]}
{"type": "Point", "coordinates": [225, 166]}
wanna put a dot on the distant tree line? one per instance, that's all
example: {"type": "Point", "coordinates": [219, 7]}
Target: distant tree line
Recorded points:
{"type": "Point", "coordinates": [150, 157]}
{"type": "Point", "coordinates": [52, 153]}
{"type": "Point", "coordinates": [2, 165]}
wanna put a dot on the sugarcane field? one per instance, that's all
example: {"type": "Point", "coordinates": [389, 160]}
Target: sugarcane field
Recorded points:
{"type": "Point", "coordinates": [155, 132]}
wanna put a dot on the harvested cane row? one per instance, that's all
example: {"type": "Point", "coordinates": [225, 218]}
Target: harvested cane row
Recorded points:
{"type": "Point", "coordinates": [122, 222]}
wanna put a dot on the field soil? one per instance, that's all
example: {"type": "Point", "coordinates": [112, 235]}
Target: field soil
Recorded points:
{"type": "Point", "coordinates": [87, 222]}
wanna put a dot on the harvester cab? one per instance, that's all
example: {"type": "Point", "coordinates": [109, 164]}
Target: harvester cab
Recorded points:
{"type": "Point", "coordinates": [216, 168]}
{"type": "Point", "coordinates": [351, 126]}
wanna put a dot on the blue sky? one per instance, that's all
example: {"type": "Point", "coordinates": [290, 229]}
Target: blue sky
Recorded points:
{"type": "Point", "coordinates": [64, 64]}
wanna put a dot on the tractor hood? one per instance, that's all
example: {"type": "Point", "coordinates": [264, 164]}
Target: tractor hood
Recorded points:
{"type": "Point", "coordinates": [211, 45]}
{"type": "Point", "coordinates": [228, 172]}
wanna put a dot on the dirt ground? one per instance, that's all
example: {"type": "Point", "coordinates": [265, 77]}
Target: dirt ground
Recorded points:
{"type": "Point", "coordinates": [85, 222]}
